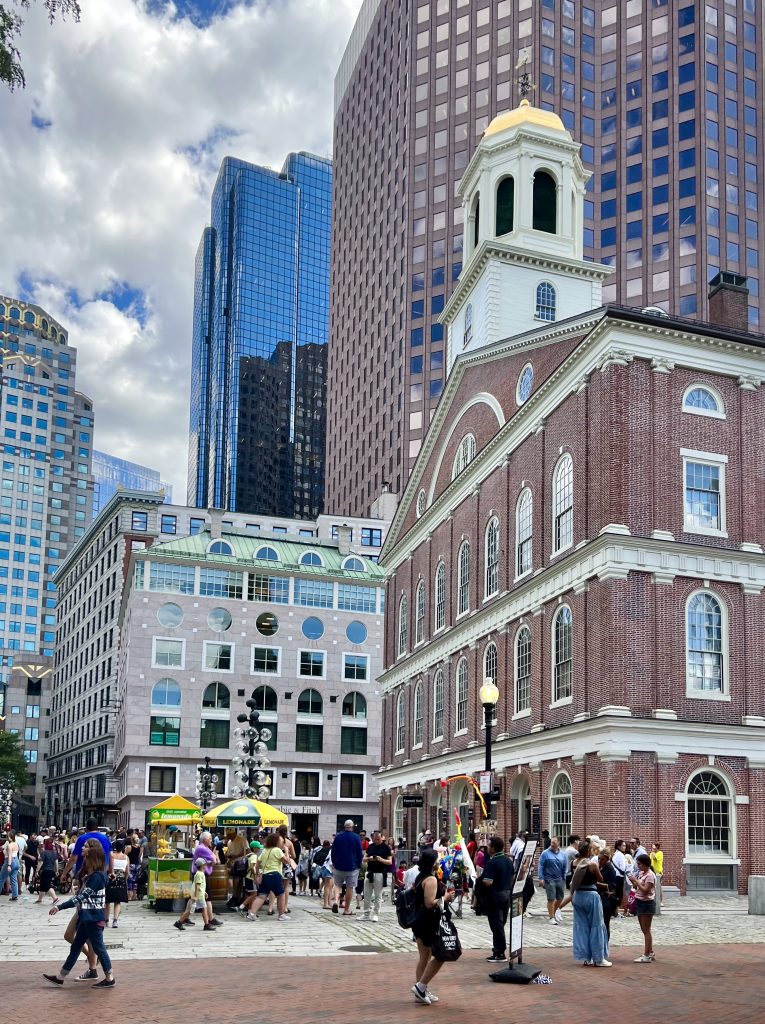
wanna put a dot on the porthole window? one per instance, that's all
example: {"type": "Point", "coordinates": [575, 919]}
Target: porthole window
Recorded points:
{"type": "Point", "coordinates": [219, 620]}
{"type": "Point", "coordinates": [525, 384]}
{"type": "Point", "coordinates": [356, 632]}
{"type": "Point", "coordinates": [220, 547]}
{"type": "Point", "coordinates": [353, 564]}
{"type": "Point", "coordinates": [313, 628]}
{"type": "Point", "coordinates": [170, 615]}
{"type": "Point", "coordinates": [267, 624]}
{"type": "Point", "coordinates": [421, 504]}
{"type": "Point", "coordinates": [267, 553]}
{"type": "Point", "coordinates": [311, 558]}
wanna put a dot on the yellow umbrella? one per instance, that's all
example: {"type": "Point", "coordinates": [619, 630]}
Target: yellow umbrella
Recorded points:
{"type": "Point", "coordinates": [244, 813]}
{"type": "Point", "coordinates": [176, 810]}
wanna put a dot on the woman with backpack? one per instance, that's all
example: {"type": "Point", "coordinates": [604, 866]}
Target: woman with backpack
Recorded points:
{"type": "Point", "coordinates": [429, 898]}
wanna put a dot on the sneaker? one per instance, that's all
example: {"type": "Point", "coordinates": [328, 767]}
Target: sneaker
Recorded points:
{"type": "Point", "coordinates": [551, 920]}
{"type": "Point", "coordinates": [54, 979]}
{"type": "Point", "coordinates": [421, 995]}
{"type": "Point", "coordinates": [644, 959]}
{"type": "Point", "coordinates": [282, 917]}
{"type": "Point", "coordinates": [559, 917]}
{"type": "Point", "coordinates": [209, 928]}
{"type": "Point", "coordinates": [115, 924]}
{"type": "Point", "coordinates": [179, 925]}
{"type": "Point", "coordinates": [374, 918]}
{"type": "Point", "coordinates": [496, 959]}
{"type": "Point", "coordinates": [251, 917]}
{"type": "Point", "coordinates": [216, 922]}
{"type": "Point", "coordinates": [432, 996]}
{"type": "Point", "coordinates": [89, 975]}
{"type": "Point", "coordinates": [604, 963]}
{"type": "Point", "coordinates": [104, 983]}
{"type": "Point", "coordinates": [365, 917]}
{"type": "Point", "coordinates": [191, 923]}
{"type": "Point", "coordinates": [588, 963]}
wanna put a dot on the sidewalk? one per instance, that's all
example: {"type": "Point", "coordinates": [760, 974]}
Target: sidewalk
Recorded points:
{"type": "Point", "coordinates": [686, 985]}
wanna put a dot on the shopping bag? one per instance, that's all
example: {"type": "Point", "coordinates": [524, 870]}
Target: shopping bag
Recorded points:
{"type": "Point", "coordinates": [446, 944]}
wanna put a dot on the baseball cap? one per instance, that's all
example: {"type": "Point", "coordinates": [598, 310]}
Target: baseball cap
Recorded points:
{"type": "Point", "coordinates": [200, 862]}
{"type": "Point", "coordinates": [255, 845]}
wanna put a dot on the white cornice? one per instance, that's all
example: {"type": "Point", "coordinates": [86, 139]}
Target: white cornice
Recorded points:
{"type": "Point", "coordinates": [606, 557]}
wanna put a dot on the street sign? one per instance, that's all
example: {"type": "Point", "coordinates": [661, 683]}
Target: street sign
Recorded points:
{"type": "Point", "coordinates": [485, 782]}
{"type": "Point", "coordinates": [412, 801]}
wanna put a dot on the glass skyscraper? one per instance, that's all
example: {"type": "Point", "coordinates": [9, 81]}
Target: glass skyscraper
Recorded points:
{"type": "Point", "coordinates": [666, 100]}
{"type": "Point", "coordinates": [261, 313]}
{"type": "Point", "coordinates": [111, 473]}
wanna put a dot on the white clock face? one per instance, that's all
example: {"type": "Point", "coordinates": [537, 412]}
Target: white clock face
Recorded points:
{"type": "Point", "coordinates": [525, 383]}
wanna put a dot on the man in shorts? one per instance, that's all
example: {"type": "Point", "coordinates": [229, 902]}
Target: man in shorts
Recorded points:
{"type": "Point", "coordinates": [347, 856]}
{"type": "Point", "coordinates": [551, 873]}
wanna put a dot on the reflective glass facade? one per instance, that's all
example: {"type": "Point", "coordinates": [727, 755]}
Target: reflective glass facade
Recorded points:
{"type": "Point", "coordinates": [261, 311]}
{"type": "Point", "coordinates": [109, 473]}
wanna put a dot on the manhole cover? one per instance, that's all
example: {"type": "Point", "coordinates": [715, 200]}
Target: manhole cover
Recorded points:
{"type": "Point", "coordinates": [363, 949]}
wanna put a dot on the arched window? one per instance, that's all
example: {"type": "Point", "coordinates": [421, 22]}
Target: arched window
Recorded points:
{"type": "Point", "coordinates": [560, 806]}
{"type": "Point", "coordinates": [467, 333]}
{"type": "Point", "coordinates": [14, 313]}
{"type": "Point", "coordinates": [523, 670]}
{"type": "Point", "coordinates": [440, 598]}
{"type": "Point", "coordinates": [417, 716]}
{"type": "Point", "coordinates": [216, 697]}
{"type": "Point", "coordinates": [311, 558]}
{"type": "Point", "coordinates": [464, 456]}
{"type": "Point", "coordinates": [438, 705]}
{"type": "Point", "coordinates": [268, 554]}
{"type": "Point", "coordinates": [476, 221]}
{"type": "Point", "coordinates": [703, 401]}
{"type": "Point", "coordinates": [400, 722]}
{"type": "Point", "coordinates": [354, 705]}
{"type": "Point", "coordinates": [545, 203]}
{"type": "Point", "coordinates": [310, 703]}
{"type": "Point", "coordinates": [546, 301]}
{"type": "Point", "coordinates": [421, 504]}
{"type": "Point", "coordinates": [709, 815]}
{"type": "Point", "coordinates": [398, 818]}
{"type": "Point", "coordinates": [166, 694]}
{"type": "Point", "coordinates": [491, 575]}
{"type": "Point", "coordinates": [523, 532]}
{"type": "Point", "coordinates": [353, 564]}
{"type": "Point", "coordinates": [563, 662]}
{"type": "Point", "coordinates": [563, 504]}
{"type": "Point", "coordinates": [220, 547]}
{"type": "Point", "coordinates": [463, 579]}
{"type": "Point", "coordinates": [505, 206]}
{"type": "Point", "coordinates": [490, 662]}
{"type": "Point", "coordinates": [705, 660]}
{"type": "Point", "coordinates": [461, 697]}
{"type": "Point", "coordinates": [265, 698]}
{"type": "Point", "coordinates": [403, 626]}
{"type": "Point", "coordinates": [29, 317]}
{"type": "Point", "coordinates": [419, 620]}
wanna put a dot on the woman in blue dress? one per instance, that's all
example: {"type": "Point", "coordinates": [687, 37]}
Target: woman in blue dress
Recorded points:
{"type": "Point", "coordinates": [590, 938]}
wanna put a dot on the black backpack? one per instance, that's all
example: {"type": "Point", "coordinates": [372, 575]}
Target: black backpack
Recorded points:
{"type": "Point", "coordinates": [406, 908]}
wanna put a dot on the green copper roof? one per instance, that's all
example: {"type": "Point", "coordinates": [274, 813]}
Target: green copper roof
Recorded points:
{"type": "Point", "coordinates": [246, 547]}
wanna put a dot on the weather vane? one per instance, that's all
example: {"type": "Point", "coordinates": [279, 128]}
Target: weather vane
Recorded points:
{"type": "Point", "coordinates": [525, 85]}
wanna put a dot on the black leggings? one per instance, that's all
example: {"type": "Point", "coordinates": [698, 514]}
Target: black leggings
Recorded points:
{"type": "Point", "coordinates": [30, 866]}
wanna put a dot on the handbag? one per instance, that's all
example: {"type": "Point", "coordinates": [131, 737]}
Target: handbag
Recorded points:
{"type": "Point", "coordinates": [446, 945]}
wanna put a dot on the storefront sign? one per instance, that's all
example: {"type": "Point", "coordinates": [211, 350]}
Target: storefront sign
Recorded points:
{"type": "Point", "coordinates": [302, 810]}
{"type": "Point", "coordinates": [412, 801]}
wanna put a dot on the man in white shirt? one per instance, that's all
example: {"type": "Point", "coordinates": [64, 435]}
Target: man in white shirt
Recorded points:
{"type": "Point", "coordinates": [21, 839]}
{"type": "Point", "coordinates": [518, 846]}
{"type": "Point", "coordinates": [637, 849]}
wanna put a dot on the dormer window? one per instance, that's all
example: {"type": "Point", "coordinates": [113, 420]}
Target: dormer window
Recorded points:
{"type": "Point", "coordinates": [546, 302]}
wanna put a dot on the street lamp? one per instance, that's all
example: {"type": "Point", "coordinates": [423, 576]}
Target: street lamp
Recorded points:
{"type": "Point", "coordinates": [251, 769]}
{"type": "Point", "coordinates": [206, 786]}
{"type": "Point", "coordinates": [489, 697]}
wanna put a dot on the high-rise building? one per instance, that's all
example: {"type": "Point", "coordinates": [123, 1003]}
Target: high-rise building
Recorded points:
{"type": "Point", "coordinates": [666, 100]}
{"type": "Point", "coordinates": [111, 474]}
{"type": "Point", "coordinates": [261, 310]}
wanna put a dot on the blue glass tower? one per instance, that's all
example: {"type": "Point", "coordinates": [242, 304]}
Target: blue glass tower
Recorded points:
{"type": "Point", "coordinates": [110, 473]}
{"type": "Point", "coordinates": [259, 356]}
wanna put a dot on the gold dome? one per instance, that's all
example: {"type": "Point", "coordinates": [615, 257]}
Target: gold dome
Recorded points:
{"type": "Point", "coordinates": [524, 113]}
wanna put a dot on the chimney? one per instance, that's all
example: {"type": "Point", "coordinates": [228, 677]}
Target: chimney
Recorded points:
{"type": "Point", "coordinates": [729, 301]}
{"type": "Point", "coordinates": [215, 516]}
{"type": "Point", "coordinates": [344, 534]}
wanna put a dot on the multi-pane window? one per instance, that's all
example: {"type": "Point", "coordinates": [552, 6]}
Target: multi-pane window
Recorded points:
{"type": "Point", "coordinates": [161, 780]}
{"type": "Point", "coordinates": [491, 580]}
{"type": "Point", "coordinates": [704, 658]}
{"type": "Point", "coordinates": [354, 706]}
{"type": "Point", "coordinates": [265, 698]}
{"type": "Point", "coordinates": [219, 656]}
{"type": "Point", "coordinates": [314, 593]}
{"type": "Point", "coordinates": [438, 705]}
{"type": "Point", "coordinates": [440, 598]}
{"type": "Point", "coordinates": [171, 579]}
{"type": "Point", "coordinates": [220, 583]}
{"type": "Point", "coordinates": [168, 653]}
{"type": "Point", "coordinates": [417, 716]}
{"type": "Point", "coordinates": [351, 785]}
{"type": "Point", "coordinates": [311, 664]}
{"type": "Point", "coordinates": [216, 697]}
{"type": "Point", "coordinates": [703, 495]}
{"type": "Point", "coordinates": [371, 537]}
{"type": "Point", "coordinates": [139, 521]}
{"type": "Point", "coordinates": [269, 589]}
{"type": "Point", "coordinates": [560, 807]}
{"type": "Point", "coordinates": [465, 455]}
{"type": "Point", "coordinates": [461, 696]}
{"type": "Point", "coordinates": [523, 532]}
{"type": "Point", "coordinates": [702, 401]}
{"type": "Point", "coordinates": [709, 815]}
{"type": "Point", "coordinates": [403, 626]}
{"type": "Point", "coordinates": [265, 659]}
{"type": "Point", "coordinates": [545, 304]}
{"type": "Point", "coordinates": [309, 739]}
{"type": "Point", "coordinates": [213, 732]}
{"type": "Point", "coordinates": [353, 740]}
{"type": "Point", "coordinates": [164, 732]}
{"type": "Point", "coordinates": [490, 663]}
{"type": "Point", "coordinates": [400, 722]}
{"type": "Point", "coordinates": [563, 504]}
{"type": "Point", "coordinates": [310, 702]}
{"type": "Point", "coordinates": [307, 784]}
{"type": "Point", "coordinates": [562, 654]}
{"type": "Point", "coordinates": [463, 579]}
{"type": "Point", "coordinates": [523, 670]}
{"type": "Point", "coordinates": [356, 667]}
{"type": "Point", "coordinates": [352, 598]}
{"type": "Point", "coordinates": [419, 620]}
{"type": "Point", "coordinates": [168, 524]}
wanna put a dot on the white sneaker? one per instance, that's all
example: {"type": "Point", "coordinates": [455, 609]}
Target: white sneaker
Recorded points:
{"type": "Point", "coordinates": [251, 917]}
{"type": "Point", "coordinates": [432, 996]}
{"type": "Point", "coordinates": [551, 920]}
{"type": "Point", "coordinates": [604, 963]}
{"type": "Point", "coordinates": [282, 917]}
{"type": "Point", "coordinates": [643, 959]}
{"type": "Point", "coordinates": [421, 997]}
{"type": "Point", "coordinates": [559, 917]}
{"type": "Point", "coordinates": [365, 917]}
{"type": "Point", "coordinates": [374, 917]}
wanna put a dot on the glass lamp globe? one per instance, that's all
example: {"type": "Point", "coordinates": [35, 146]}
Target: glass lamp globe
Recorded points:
{"type": "Point", "coordinates": [265, 735]}
{"type": "Point", "coordinates": [489, 692]}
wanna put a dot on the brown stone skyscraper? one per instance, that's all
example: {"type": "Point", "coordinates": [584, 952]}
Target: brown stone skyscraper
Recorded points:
{"type": "Point", "coordinates": [666, 99]}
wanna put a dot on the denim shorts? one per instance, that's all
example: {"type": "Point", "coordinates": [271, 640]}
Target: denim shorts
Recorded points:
{"type": "Point", "coordinates": [554, 890]}
{"type": "Point", "coordinates": [273, 882]}
{"type": "Point", "coordinates": [644, 908]}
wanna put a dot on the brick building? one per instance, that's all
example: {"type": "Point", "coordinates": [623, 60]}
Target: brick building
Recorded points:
{"type": "Point", "coordinates": [583, 525]}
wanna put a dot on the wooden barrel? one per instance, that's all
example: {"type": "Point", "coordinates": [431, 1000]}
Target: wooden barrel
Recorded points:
{"type": "Point", "coordinates": [217, 884]}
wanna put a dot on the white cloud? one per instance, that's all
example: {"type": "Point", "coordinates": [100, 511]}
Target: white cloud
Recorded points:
{"type": "Point", "coordinates": [115, 193]}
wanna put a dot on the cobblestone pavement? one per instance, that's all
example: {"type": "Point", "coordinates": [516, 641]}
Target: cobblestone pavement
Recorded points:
{"type": "Point", "coordinates": [28, 934]}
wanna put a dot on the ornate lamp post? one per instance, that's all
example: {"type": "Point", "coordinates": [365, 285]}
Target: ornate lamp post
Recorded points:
{"type": "Point", "coordinates": [489, 696]}
{"type": "Point", "coordinates": [206, 790]}
{"type": "Point", "coordinates": [251, 769]}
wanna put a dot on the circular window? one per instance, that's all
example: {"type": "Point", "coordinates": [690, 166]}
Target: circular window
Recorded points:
{"type": "Point", "coordinates": [356, 632]}
{"type": "Point", "coordinates": [267, 624]}
{"type": "Point", "coordinates": [313, 628]}
{"type": "Point", "coordinates": [219, 620]}
{"type": "Point", "coordinates": [170, 615]}
{"type": "Point", "coordinates": [525, 383]}
{"type": "Point", "coordinates": [420, 504]}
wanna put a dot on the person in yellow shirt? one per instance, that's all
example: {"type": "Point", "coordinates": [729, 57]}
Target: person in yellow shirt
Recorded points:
{"type": "Point", "coordinates": [657, 866]}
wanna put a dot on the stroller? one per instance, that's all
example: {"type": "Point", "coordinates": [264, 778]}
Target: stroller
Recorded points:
{"type": "Point", "coordinates": [142, 883]}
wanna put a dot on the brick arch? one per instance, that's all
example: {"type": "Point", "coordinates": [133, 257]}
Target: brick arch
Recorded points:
{"type": "Point", "coordinates": [483, 398]}
{"type": "Point", "coordinates": [701, 764]}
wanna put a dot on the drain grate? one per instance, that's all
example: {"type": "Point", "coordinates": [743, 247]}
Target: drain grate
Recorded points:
{"type": "Point", "coordinates": [363, 949]}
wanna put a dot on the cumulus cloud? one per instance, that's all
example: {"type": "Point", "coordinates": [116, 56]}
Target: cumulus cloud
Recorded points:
{"type": "Point", "coordinates": [107, 162]}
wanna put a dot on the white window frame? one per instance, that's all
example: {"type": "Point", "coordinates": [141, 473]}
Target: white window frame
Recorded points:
{"type": "Point", "coordinates": [173, 640]}
{"type": "Point", "coordinates": [522, 538]}
{"type": "Point", "coordinates": [724, 694]}
{"type": "Point", "coordinates": [463, 584]}
{"type": "Point", "coordinates": [400, 733]}
{"type": "Point", "coordinates": [420, 603]}
{"type": "Point", "coordinates": [310, 650]}
{"type": "Point", "coordinates": [554, 829]}
{"type": "Point", "coordinates": [712, 858]}
{"type": "Point", "coordinates": [718, 414]}
{"type": "Point", "coordinates": [556, 548]}
{"type": "Point", "coordinates": [491, 568]}
{"type": "Point", "coordinates": [545, 306]}
{"type": "Point", "coordinates": [461, 679]}
{"type": "Point", "coordinates": [402, 639]}
{"type": "Point", "coordinates": [351, 799]}
{"type": "Point", "coordinates": [265, 675]}
{"type": "Point", "coordinates": [161, 792]}
{"type": "Point", "coordinates": [522, 712]}
{"type": "Point", "coordinates": [560, 701]}
{"type": "Point", "coordinates": [355, 654]}
{"type": "Point", "coordinates": [417, 721]}
{"type": "Point", "coordinates": [438, 736]}
{"type": "Point", "coordinates": [466, 452]}
{"type": "Point", "coordinates": [439, 597]}
{"type": "Point", "coordinates": [690, 455]}
{"type": "Point", "coordinates": [308, 771]}
{"type": "Point", "coordinates": [225, 671]}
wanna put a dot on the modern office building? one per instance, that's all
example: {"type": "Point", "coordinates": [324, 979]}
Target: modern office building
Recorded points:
{"type": "Point", "coordinates": [80, 750]}
{"type": "Point", "coordinates": [666, 100]}
{"type": "Point", "coordinates": [111, 474]}
{"type": "Point", "coordinates": [261, 310]}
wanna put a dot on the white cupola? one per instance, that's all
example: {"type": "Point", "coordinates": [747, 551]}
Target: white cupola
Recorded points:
{"type": "Point", "coordinates": [523, 205]}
